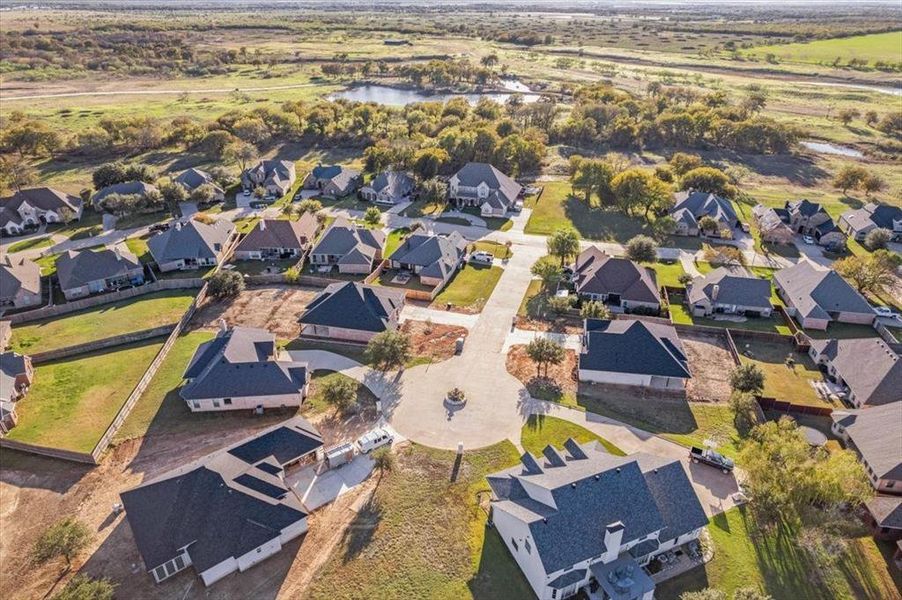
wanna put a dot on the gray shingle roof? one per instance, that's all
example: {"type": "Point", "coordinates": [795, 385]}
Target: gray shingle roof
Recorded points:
{"type": "Point", "coordinates": [191, 240]}
{"type": "Point", "coordinates": [635, 347]}
{"type": "Point", "coordinates": [805, 207]}
{"type": "Point", "coordinates": [735, 285]}
{"type": "Point", "coordinates": [223, 505]}
{"type": "Point", "coordinates": [191, 179]}
{"type": "Point", "coordinates": [18, 274]}
{"type": "Point", "coordinates": [768, 219]}
{"type": "Point", "coordinates": [396, 184]}
{"type": "Point", "coordinates": [879, 215]}
{"type": "Point", "coordinates": [472, 174]}
{"type": "Point", "coordinates": [43, 198]}
{"type": "Point", "coordinates": [356, 306]}
{"type": "Point", "coordinates": [815, 292]}
{"type": "Point", "coordinates": [339, 175]}
{"type": "Point", "coordinates": [886, 510]}
{"type": "Point", "coordinates": [880, 382]}
{"type": "Point", "coordinates": [75, 269]}
{"type": "Point", "coordinates": [342, 237]}
{"type": "Point", "coordinates": [702, 204]}
{"type": "Point", "coordinates": [280, 233]}
{"type": "Point", "coordinates": [599, 273]}
{"type": "Point", "coordinates": [12, 364]}
{"type": "Point", "coordinates": [437, 255]}
{"type": "Point", "coordinates": [876, 432]}
{"type": "Point", "coordinates": [127, 188]}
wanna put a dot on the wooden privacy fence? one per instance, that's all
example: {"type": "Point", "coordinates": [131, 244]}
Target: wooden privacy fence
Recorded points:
{"type": "Point", "coordinates": [110, 342]}
{"type": "Point", "coordinates": [788, 407]}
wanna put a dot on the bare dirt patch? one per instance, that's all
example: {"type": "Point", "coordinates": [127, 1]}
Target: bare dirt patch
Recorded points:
{"type": "Point", "coordinates": [432, 340]}
{"type": "Point", "coordinates": [568, 325]}
{"type": "Point", "coordinates": [274, 308]}
{"type": "Point", "coordinates": [710, 364]}
{"type": "Point", "coordinates": [560, 381]}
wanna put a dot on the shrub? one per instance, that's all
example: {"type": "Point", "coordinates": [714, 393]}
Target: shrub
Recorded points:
{"type": "Point", "coordinates": [877, 239]}
{"type": "Point", "coordinates": [67, 538]}
{"type": "Point", "coordinates": [747, 378]}
{"type": "Point", "coordinates": [642, 249]}
{"type": "Point", "coordinates": [82, 587]}
{"type": "Point", "coordinates": [340, 392]}
{"type": "Point", "coordinates": [226, 284]}
{"type": "Point", "coordinates": [372, 216]}
{"type": "Point", "coordinates": [388, 350]}
{"type": "Point", "coordinates": [594, 310]}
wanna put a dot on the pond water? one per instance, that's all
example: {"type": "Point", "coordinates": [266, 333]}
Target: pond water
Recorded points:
{"type": "Point", "coordinates": [383, 94]}
{"type": "Point", "coordinates": [827, 148]}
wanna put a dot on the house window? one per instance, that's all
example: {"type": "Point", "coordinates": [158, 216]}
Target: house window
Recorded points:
{"type": "Point", "coordinates": [227, 401]}
{"type": "Point", "coordinates": [514, 544]}
{"type": "Point", "coordinates": [195, 404]}
{"type": "Point", "coordinates": [216, 404]}
{"type": "Point", "coordinates": [554, 593]}
{"type": "Point", "coordinates": [527, 546]}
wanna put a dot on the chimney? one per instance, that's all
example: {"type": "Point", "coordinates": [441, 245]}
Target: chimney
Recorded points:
{"type": "Point", "coordinates": [613, 538]}
{"type": "Point", "coordinates": [715, 291]}
{"type": "Point", "coordinates": [223, 327]}
{"type": "Point", "coordinates": [262, 224]}
{"type": "Point", "coordinates": [118, 253]}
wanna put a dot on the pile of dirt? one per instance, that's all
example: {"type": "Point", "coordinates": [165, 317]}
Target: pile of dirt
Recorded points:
{"type": "Point", "coordinates": [274, 308]}
{"type": "Point", "coordinates": [432, 340]}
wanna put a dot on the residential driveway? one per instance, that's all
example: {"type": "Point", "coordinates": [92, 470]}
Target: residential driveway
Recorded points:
{"type": "Point", "coordinates": [412, 312]}
{"type": "Point", "coordinates": [318, 489]}
{"type": "Point", "coordinates": [688, 262]}
{"type": "Point", "coordinates": [570, 341]}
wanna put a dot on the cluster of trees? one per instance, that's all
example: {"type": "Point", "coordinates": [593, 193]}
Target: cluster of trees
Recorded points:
{"type": "Point", "coordinates": [872, 273]}
{"type": "Point", "coordinates": [856, 177]}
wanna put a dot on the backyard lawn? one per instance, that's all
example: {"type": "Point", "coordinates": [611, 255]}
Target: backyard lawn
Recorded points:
{"type": "Point", "coordinates": [470, 288]}
{"type": "Point", "coordinates": [72, 402]}
{"type": "Point", "coordinates": [424, 534]}
{"type": "Point", "coordinates": [540, 430]}
{"type": "Point", "coordinates": [842, 331]}
{"type": "Point", "coordinates": [780, 381]}
{"type": "Point", "coordinates": [108, 320]}
{"type": "Point", "coordinates": [30, 244]}
{"type": "Point", "coordinates": [667, 274]}
{"type": "Point", "coordinates": [394, 239]}
{"type": "Point", "coordinates": [138, 247]}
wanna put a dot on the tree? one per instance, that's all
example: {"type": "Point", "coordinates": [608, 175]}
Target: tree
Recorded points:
{"type": "Point", "coordinates": [340, 392]}
{"type": "Point", "coordinates": [642, 248]}
{"type": "Point", "coordinates": [383, 461]}
{"type": "Point", "coordinates": [846, 115]}
{"type": "Point", "coordinates": [550, 273]}
{"type": "Point", "coordinates": [747, 378]}
{"type": "Point", "coordinates": [685, 279]}
{"type": "Point", "coordinates": [242, 153]}
{"type": "Point", "coordinates": [388, 350]}
{"type": "Point", "coordinates": [869, 274]}
{"type": "Point", "coordinates": [705, 594]}
{"type": "Point", "coordinates": [742, 404]}
{"type": "Point", "coordinates": [433, 191]}
{"type": "Point", "coordinates": [544, 352]}
{"type": "Point", "coordinates": [225, 284]}
{"type": "Point", "coordinates": [637, 188]}
{"type": "Point", "coordinates": [681, 163]}
{"type": "Point", "coordinates": [710, 180]}
{"type": "Point", "coordinates": [750, 593]}
{"type": "Point", "coordinates": [708, 224]}
{"type": "Point", "coordinates": [428, 162]}
{"type": "Point", "coordinates": [592, 176]}
{"type": "Point", "coordinates": [560, 304]}
{"type": "Point", "coordinates": [850, 176]}
{"type": "Point", "coordinates": [309, 205]}
{"type": "Point", "coordinates": [203, 194]}
{"type": "Point", "coordinates": [108, 174]}
{"type": "Point", "coordinates": [173, 194]}
{"type": "Point", "coordinates": [877, 239]}
{"type": "Point", "coordinates": [563, 243]}
{"type": "Point", "coordinates": [594, 310]}
{"type": "Point", "coordinates": [870, 117]}
{"type": "Point", "coordinates": [372, 216]}
{"type": "Point", "coordinates": [872, 183]}
{"type": "Point", "coordinates": [15, 172]}
{"type": "Point", "coordinates": [67, 538]}
{"type": "Point", "coordinates": [663, 226]}
{"type": "Point", "coordinates": [82, 587]}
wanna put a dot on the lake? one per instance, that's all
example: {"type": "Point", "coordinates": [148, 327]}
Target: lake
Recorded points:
{"type": "Point", "coordinates": [383, 94]}
{"type": "Point", "coordinates": [826, 148]}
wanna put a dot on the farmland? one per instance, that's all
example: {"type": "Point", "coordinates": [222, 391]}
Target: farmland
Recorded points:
{"type": "Point", "coordinates": [878, 47]}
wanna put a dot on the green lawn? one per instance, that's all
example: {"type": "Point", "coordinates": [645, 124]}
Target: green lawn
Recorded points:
{"type": "Point", "coordinates": [493, 223]}
{"type": "Point", "coordinates": [471, 287]}
{"type": "Point", "coordinates": [394, 239]}
{"type": "Point", "coordinates": [540, 430]}
{"type": "Point", "coordinates": [72, 402]}
{"type": "Point", "coordinates": [667, 274]}
{"type": "Point", "coordinates": [316, 404]}
{"type": "Point", "coordinates": [424, 534]}
{"type": "Point", "coordinates": [30, 244]}
{"type": "Point", "coordinates": [781, 382]}
{"type": "Point", "coordinates": [47, 264]}
{"type": "Point", "coordinates": [90, 224]}
{"type": "Point", "coordinates": [421, 208]}
{"type": "Point", "coordinates": [533, 303]}
{"type": "Point", "coordinates": [872, 48]}
{"type": "Point", "coordinates": [138, 247]}
{"type": "Point", "coordinates": [259, 267]}
{"type": "Point", "coordinates": [500, 250]}
{"type": "Point", "coordinates": [842, 331]}
{"type": "Point", "coordinates": [773, 559]}
{"type": "Point", "coordinates": [141, 219]}
{"type": "Point", "coordinates": [134, 314]}
{"type": "Point", "coordinates": [679, 313]}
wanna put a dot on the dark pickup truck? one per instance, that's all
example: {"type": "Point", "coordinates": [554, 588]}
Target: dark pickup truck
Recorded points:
{"type": "Point", "coordinates": [710, 457]}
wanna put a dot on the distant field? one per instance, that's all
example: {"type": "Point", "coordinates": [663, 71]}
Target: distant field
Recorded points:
{"type": "Point", "coordinates": [886, 47]}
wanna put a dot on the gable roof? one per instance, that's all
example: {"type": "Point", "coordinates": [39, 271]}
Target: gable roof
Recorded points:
{"type": "Point", "coordinates": [223, 505]}
{"type": "Point", "coordinates": [126, 188]}
{"type": "Point", "coordinates": [886, 510]}
{"type": "Point", "coordinates": [394, 183]}
{"type": "Point", "coordinates": [632, 346]}
{"type": "Point", "coordinates": [78, 268]}
{"type": "Point", "coordinates": [191, 179]}
{"type": "Point", "coordinates": [880, 382]}
{"type": "Point", "coordinates": [352, 305]}
{"type": "Point", "coordinates": [805, 208]}
{"type": "Point", "coordinates": [768, 218]}
{"type": "Point", "coordinates": [702, 204]}
{"type": "Point", "coordinates": [437, 255]}
{"type": "Point", "coordinates": [342, 237]}
{"type": "Point", "coordinates": [876, 431]}
{"type": "Point", "coordinates": [599, 273]}
{"type": "Point", "coordinates": [18, 274]}
{"type": "Point", "coordinates": [280, 233]}
{"type": "Point", "coordinates": [816, 292]}
{"type": "Point", "coordinates": [734, 285]}
{"type": "Point", "coordinates": [473, 173]}
{"type": "Point", "coordinates": [42, 198]}
{"type": "Point", "coordinates": [12, 364]}
{"type": "Point", "coordinates": [873, 215]}
{"type": "Point", "coordinates": [338, 175]}
{"type": "Point", "coordinates": [190, 240]}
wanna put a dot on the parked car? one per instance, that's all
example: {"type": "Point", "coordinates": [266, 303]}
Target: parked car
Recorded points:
{"type": "Point", "coordinates": [371, 440]}
{"type": "Point", "coordinates": [483, 257]}
{"type": "Point", "coordinates": [884, 311]}
{"type": "Point", "coordinates": [710, 457]}
{"type": "Point", "coordinates": [258, 204]}
{"type": "Point", "coordinates": [247, 192]}
{"type": "Point", "coordinates": [159, 227]}
{"type": "Point", "coordinates": [807, 239]}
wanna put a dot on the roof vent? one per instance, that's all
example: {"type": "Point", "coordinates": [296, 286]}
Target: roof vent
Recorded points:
{"type": "Point", "coordinates": [618, 469]}
{"type": "Point", "coordinates": [656, 471]}
{"type": "Point", "coordinates": [573, 485]}
{"type": "Point", "coordinates": [597, 477]}
{"type": "Point", "coordinates": [545, 520]}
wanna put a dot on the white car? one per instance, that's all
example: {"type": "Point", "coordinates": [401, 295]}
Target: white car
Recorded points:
{"type": "Point", "coordinates": [371, 440]}
{"type": "Point", "coordinates": [884, 311]}
{"type": "Point", "coordinates": [807, 239]}
{"type": "Point", "coordinates": [482, 257]}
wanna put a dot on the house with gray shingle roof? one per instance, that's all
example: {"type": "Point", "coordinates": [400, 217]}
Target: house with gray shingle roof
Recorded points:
{"type": "Point", "coordinates": [623, 285]}
{"type": "Point", "coordinates": [193, 179]}
{"type": "Point", "coordinates": [690, 207]}
{"type": "Point", "coordinates": [632, 352]}
{"type": "Point", "coordinates": [484, 186]}
{"type": "Point", "coordinates": [33, 206]}
{"type": "Point", "coordinates": [885, 514]}
{"type": "Point", "coordinates": [225, 512]}
{"type": "Point", "coordinates": [859, 222]}
{"type": "Point", "coordinates": [85, 272]}
{"type": "Point", "coordinates": [771, 226]}
{"type": "Point", "coordinates": [879, 383]}
{"type": "Point", "coordinates": [810, 218]}
{"type": "Point", "coordinates": [242, 369]}
{"type": "Point", "coordinates": [275, 176]}
{"type": "Point", "coordinates": [578, 516]}
{"type": "Point", "coordinates": [352, 312]}
{"type": "Point", "coordinates": [126, 188]}
{"type": "Point", "coordinates": [20, 282]}
{"type": "Point", "coordinates": [874, 433]}
{"type": "Point", "coordinates": [389, 187]}
{"type": "Point", "coordinates": [334, 181]}
{"type": "Point", "coordinates": [730, 290]}
{"type": "Point", "coordinates": [349, 248]}
{"type": "Point", "coordinates": [433, 258]}
{"type": "Point", "coordinates": [191, 245]}
{"type": "Point", "coordinates": [274, 239]}
{"type": "Point", "coordinates": [816, 296]}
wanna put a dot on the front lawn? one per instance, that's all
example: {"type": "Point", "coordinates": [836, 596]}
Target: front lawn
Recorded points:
{"type": "Point", "coordinates": [533, 303]}
{"type": "Point", "coordinates": [72, 402]}
{"type": "Point", "coordinates": [470, 287]}
{"type": "Point", "coordinates": [680, 313]}
{"type": "Point", "coordinates": [316, 404]}
{"type": "Point", "coordinates": [667, 273]}
{"type": "Point", "coordinates": [141, 220]}
{"type": "Point", "coordinates": [108, 320]}
{"type": "Point", "coordinates": [540, 430]}
{"type": "Point", "coordinates": [393, 240]}
{"type": "Point", "coordinates": [47, 264]}
{"type": "Point", "coordinates": [424, 535]}
{"type": "Point", "coordinates": [90, 224]}
{"type": "Point", "coordinates": [780, 381]}
{"type": "Point", "coordinates": [138, 247]}
{"type": "Point", "coordinates": [30, 244]}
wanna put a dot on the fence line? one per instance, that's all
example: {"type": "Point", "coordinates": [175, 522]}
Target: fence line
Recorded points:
{"type": "Point", "coordinates": [788, 407]}
{"type": "Point", "coordinates": [102, 344]}
{"type": "Point", "coordinates": [80, 457]}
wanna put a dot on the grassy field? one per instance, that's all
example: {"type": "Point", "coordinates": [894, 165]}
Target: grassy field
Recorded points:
{"type": "Point", "coordinates": [424, 535]}
{"type": "Point", "coordinates": [30, 244]}
{"type": "Point", "coordinates": [886, 47]}
{"type": "Point", "coordinates": [539, 431]}
{"type": "Point", "coordinates": [72, 402]}
{"type": "Point", "coordinates": [470, 288]}
{"type": "Point", "coordinates": [780, 381]}
{"type": "Point", "coordinates": [108, 320]}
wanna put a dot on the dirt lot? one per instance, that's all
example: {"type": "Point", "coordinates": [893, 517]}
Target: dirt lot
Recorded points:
{"type": "Point", "coordinates": [275, 308]}
{"type": "Point", "coordinates": [710, 364]}
{"type": "Point", "coordinates": [433, 340]}
{"type": "Point", "coordinates": [561, 380]}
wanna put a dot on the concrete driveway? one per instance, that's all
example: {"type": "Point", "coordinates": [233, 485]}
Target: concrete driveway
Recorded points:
{"type": "Point", "coordinates": [318, 489]}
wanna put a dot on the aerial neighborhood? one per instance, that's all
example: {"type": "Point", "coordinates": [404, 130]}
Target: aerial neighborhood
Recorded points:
{"type": "Point", "coordinates": [446, 302]}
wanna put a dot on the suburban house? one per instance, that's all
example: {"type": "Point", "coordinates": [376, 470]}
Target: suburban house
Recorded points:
{"type": "Point", "coordinates": [624, 286]}
{"type": "Point", "coordinates": [274, 239]}
{"type": "Point", "coordinates": [631, 352]}
{"type": "Point", "coordinates": [333, 180]}
{"type": "Point", "coordinates": [859, 222]}
{"type": "Point", "coordinates": [484, 186]}
{"type": "Point", "coordinates": [869, 367]}
{"type": "Point", "coordinates": [874, 434]}
{"type": "Point", "coordinates": [771, 225]}
{"type": "Point", "coordinates": [434, 258]}
{"type": "Point", "coordinates": [815, 296]}
{"type": "Point", "coordinates": [690, 207]}
{"type": "Point", "coordinates": [584, 517]}
{"type": "Point", "coordinates": [350, 248]}
{"type": "Point", "coordinates": [193, 179]}
{"type": "Point", "coordinates": [227, 511]}
{"type": "Point", "coordinates": [729, 290]}
{"type": "Point", "coordinates": [20, 282]}
{"type": "Point", "coordinates": [810, 218]}
{"type": "Point", "coordinates": [16, 376]}
{"type": "Point", "coordinates": [241, 369]}
{"type": "Point", "coordinates": [274, 176]}
{"type": "Point", "coordinates": [885, 517]}
{"type": "Point", "coordinates": [191, 245]}
{"type": "Point", "coordinates": [389, 187]}
{"type": "Point", "coordinates": [126, 188]}
{"type": "Point", "coordinates": [85, 272]}
{"type": "Point", "coordinates": [352, 312]}
{"type": "Point", "coordinates": [31, 207]}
